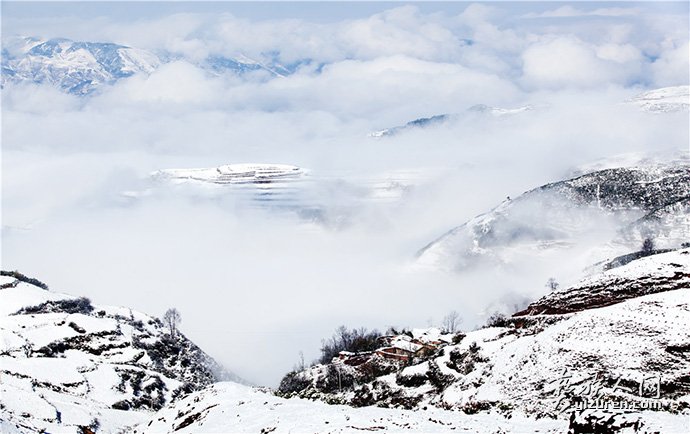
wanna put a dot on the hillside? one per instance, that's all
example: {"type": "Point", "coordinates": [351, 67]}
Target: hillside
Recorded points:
{"type": "Point", "coordinates": [67, 363]}
{"type": "Point", "coordinates": [639, 202]}
{"type": "Point", "coordinates": [650, 275]}
{"type": "Point", "coordinates": [542, 364]}
{"type": "Point", "coordinates": [618, 337]}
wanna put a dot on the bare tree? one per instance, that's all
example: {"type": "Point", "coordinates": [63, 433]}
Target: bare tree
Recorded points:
{"type": "Point", "coordinates": [552, 284]}
{"type": "Point", "coordinates": [172, 319]}
{"type": "Point", "coordinates": [648, 246]}
{"type": "Point", "coordinates": [301, 366]}
{"type": "Point", "coordinates": [355, 340]}
{"type": "Point", "coordinates": [497, 319]}
{"type": "Point", "coordinates": [451, 322]}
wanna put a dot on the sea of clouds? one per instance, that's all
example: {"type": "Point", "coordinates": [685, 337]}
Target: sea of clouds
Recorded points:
{"type": "Point", "coordinates": [255, 285]}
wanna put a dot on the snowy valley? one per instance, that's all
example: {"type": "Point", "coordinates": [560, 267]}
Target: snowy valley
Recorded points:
{"type": "Point", "coordinates": [68, 365]}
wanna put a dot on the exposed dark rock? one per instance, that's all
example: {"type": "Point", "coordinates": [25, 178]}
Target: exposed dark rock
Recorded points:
{"type": "Point", "coordinates": [76, 305]}
{"type": "Point", "coordinates": [23, 278]}
{"type": "Point", "coordinates": [605, 294]}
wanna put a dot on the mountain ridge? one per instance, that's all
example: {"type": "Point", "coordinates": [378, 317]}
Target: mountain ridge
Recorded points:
{"type": "Point", "coordinates": [83, 67]}
{"type": "Point", "coordinates": [647, 200]}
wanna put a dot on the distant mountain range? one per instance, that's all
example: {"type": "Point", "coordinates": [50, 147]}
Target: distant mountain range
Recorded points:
{"type": "Point", "coordinates": [75, 67]}
{"type": "Point", "coordinates": [80, 67]}
{"type": "Point", "coordinates": [665, 100]}
{"type": "Point", "coordinates": [443, 118]}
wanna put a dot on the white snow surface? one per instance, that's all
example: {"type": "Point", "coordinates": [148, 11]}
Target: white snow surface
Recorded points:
{"type": "Point", "coordinates": [664, 100]}
{"type": "Point", "coordinates": [232, 408]}
{"type": "Point", "coordinates": [62, 370]}
{"type": "Point", "coordinates": [432, 334]}
{"type": "Point", "coordinates": [234, 173]}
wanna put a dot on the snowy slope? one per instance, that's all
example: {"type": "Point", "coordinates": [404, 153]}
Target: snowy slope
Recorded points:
{"type": "Point", "coordinates": [643, 201]}
{"type": "Point", "coordinates": [664, 100]}
{"type": "Point", "coordinates": [232, 408]}
{"type": "Point", "coordinates": [649, 275]}
{"type": "Point", "coordinates": [544, 365]}
{"type": "Point", "coordinates": [66, 363]}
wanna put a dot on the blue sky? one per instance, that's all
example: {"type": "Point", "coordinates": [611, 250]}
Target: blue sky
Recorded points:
{"type": "Point", "coordinates": [332, 31]}
{"type": "Point", "coordinates": [318, 11]}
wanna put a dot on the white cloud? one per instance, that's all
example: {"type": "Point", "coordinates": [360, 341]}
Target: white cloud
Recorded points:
{"type": "Point", "coordinates": [176, 82]}
{"type": "Point", "coordinates": [569, 11]}
{"type": "Point", "coordinates": [563, 11]}
{"type": "Point", "coordinates": [619, 53]}
{"type": "Point", "coordinates": [616, 12]}
{"type": "Point", "coordinates": [569, 62]}
{"type": "Point", "coordinates": [672, 68]}
{"type": "Point", "coordinates": [400, 31]}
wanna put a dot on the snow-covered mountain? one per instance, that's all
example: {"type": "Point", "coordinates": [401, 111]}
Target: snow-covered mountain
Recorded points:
{"type": "Point", "coordinates": [664, 100]}
{"type": "Point", "coordinates": [620, 336]}
{"type": "Point", "coordinates": [68, 365]}
{"type": "Point", "coordinates": [649, 201]}
{"type": "Point", "coordinates": [243, 64]}
{"type": "Point", "coordinates": [80, 67]}
{"type": "Point", "coordinates": [75, 67]}
{"type": "Point", "coordinates": [643, 275]}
